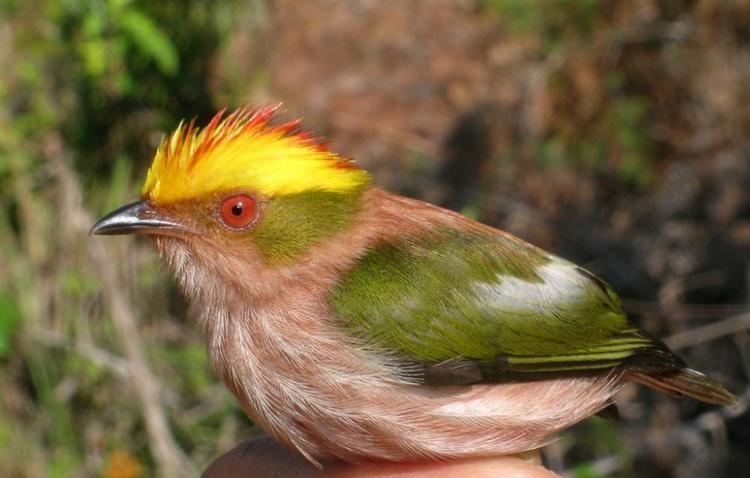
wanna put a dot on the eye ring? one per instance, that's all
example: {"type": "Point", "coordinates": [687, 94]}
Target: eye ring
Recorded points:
{"type": "Point", "coordinates": [238, 211]}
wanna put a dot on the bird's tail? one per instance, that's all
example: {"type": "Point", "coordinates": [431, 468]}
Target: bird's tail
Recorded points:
{"type": "Point", "coordinates": [688, 382]}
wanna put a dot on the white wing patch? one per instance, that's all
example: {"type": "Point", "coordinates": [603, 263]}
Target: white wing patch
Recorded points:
{"type": "Point", "coordinates": [562, 284]}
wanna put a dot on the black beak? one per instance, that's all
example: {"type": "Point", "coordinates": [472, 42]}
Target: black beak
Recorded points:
{"type": "Point", "coordinates": [134, 218]}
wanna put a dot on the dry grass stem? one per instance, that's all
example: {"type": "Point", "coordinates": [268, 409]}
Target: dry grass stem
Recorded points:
{"type": "Point", "coordinates": [171, 460]}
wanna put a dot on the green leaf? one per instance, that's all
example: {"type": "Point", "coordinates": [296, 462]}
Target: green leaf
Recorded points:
{"type": "Point", "coordinates": [10, 317]}
{"type": "Point", "coordinates": [586, 470]}
{"type": "Point", "coordinates": [150, 40]}
{"type": "Point", "coordinates": [64, 463]}
{"type": "Point", "coordinates": [472, 210]}
{"type": "Point", "coordinates": [94, 53]}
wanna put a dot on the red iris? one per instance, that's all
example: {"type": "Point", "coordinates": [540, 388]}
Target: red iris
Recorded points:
{"type": "Point", "coordinates": [238, 211]}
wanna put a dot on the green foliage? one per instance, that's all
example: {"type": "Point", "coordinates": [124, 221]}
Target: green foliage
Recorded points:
{"type": "Point", "coordinates": [611, 135]}
{"type": "Point", "coordinates": [113, 33]}
{"type": "Point", "coordinates": [586, 470]}
{"type": "Point", "coordinates": [46, 374]}
{"type": "Point", "coordinates": [551, 20]}
{"type": "Point", "coordinates": [192, 360]}
{"type": "Point", "coordinates": [599, 437]}
{"type": "Point", "coordinates": [63, 464]}
{"type": "Point", "coordinates": [150, 40]}
{"type": "Point", "coordinates": [615, 143]}
{"type": "Point", "coordinates": [472, 210]}
{"type": "Point", "coordinates": [108, 29]}
{"type": "Point", "coordinates": [10, 317]}
{"type": "Point", "coordinates": [626, 119]}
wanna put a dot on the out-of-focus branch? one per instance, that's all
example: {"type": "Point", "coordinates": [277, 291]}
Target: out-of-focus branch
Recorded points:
{"type": "Point", "coordinates": [170, 459]}
{"type": "Point", "coordinates": [685, 311]}
{"type": "Point", "coordinates": [712, 422]}
{"type": "Point", "coordinates": [715, 330]}
{"type": "Point", "coordinates": [116, 364]}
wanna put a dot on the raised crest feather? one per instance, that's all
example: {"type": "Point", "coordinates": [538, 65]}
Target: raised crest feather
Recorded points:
{"type": "Point", "coordinates": [243, 151]}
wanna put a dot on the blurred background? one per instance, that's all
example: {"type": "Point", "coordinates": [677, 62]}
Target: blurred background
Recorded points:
{"type": "Point", "coordinates": [616, 134]}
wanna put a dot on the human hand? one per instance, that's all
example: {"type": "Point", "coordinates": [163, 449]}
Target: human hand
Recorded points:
{"type": "Point", "coordinates": [263, 457]}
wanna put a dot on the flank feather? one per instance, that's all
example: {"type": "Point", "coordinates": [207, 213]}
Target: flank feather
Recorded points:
{"type": "Point", "coordinates": [244, 152]}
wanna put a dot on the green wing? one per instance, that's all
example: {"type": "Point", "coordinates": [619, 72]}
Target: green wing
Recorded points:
{"type": "Point", "coordinates": [483, 307]}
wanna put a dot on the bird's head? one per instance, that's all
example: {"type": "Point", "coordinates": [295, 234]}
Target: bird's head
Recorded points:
{"type": "Point", "coordinates": [242, 187]}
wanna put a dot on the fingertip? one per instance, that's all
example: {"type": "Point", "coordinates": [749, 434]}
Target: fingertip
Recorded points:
{"type": "Point", "coordinates": [511, 467]}
{"type": "Point", "coordinates": [260, 457]}
{"type": "Point", "coordinates": [263, 457]}
{"type": "Point", "coordinates": [507, 466]}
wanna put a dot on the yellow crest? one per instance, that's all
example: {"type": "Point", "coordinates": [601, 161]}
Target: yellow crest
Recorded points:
{"type": "Point", "coordinates": [242, 152]}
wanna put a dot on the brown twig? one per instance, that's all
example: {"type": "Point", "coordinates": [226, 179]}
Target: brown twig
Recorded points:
{"type": "Point", "coordinates": [115, 364]}
{"type": "Point", "coordinates": [686, 311]}
{"type": "Point", "coordinates": [715, 330]}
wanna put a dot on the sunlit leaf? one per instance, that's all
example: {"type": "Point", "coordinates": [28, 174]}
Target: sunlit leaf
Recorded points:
{"type": "Point", "coordinates": [150, 40]}
{"type": "Point", "coordinates": [10, 317]}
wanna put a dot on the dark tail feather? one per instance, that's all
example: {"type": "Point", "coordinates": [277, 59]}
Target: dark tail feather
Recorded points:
{"type": "Point", "coordinates": [688, 382]}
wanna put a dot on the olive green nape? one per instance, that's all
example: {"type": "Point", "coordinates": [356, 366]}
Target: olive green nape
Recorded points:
{"type": "Point", "coordinates": [419, 300]}
{"type": "Point", "coordinates": [293, 223]}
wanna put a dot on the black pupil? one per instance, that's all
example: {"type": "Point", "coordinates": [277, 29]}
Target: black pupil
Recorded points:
{"type": "Point", "coordinates": [237, 209]}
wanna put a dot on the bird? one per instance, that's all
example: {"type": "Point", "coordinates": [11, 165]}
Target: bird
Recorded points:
{"type": "Point", "coordinates": [356, 324]}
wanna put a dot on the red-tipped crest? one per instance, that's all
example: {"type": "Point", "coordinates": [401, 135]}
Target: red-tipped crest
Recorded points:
{"type": "Point", "coordinates": [243, 150]}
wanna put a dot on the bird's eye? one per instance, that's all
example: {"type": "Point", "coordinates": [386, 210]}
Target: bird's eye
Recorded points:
{"type": "Point", "coordinates": [238, 211]}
